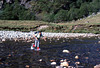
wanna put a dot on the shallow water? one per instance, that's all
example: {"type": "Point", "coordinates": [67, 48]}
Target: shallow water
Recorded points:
{"type": "Point", "coordinates": [18, 54]}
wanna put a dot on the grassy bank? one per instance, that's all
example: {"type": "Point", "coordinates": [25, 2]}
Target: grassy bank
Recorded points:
{"type": "Point", "coordinates": [88, 25]}
{"type": "Point", "coordinates": [20, 25]}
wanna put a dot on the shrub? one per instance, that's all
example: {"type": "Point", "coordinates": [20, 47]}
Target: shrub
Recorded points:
{"type": "Point", "coordinates": [73, 14]}
{"type": "Point", "coordinates": [49, 17]}
{"type": "Point", "coordinates": [84, 10]}
{"type": "Point", "coordinates": [61, 16]}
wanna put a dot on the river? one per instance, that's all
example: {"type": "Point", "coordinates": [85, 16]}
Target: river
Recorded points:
{"type": "Point", "coordinates": [19, 55]}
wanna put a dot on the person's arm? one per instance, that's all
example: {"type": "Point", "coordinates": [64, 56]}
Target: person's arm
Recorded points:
{"type": "Point", "coordinates": [44, 38]}
{"type": "Point", "coordinates": [34, 36]}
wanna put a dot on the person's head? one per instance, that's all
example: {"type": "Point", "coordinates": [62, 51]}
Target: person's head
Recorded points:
{"type": "Point", "coordinates": [39, 32]}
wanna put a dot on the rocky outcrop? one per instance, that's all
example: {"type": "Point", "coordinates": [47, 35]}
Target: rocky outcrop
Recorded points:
{"type": "Point", "coordinates": [1, 3]}
{"type": "Point", "coordinates": [9, 1]}
{"type": "Point", "coordinates": [26, 3]}
{"type": "Point", "coordinates": [23, 1]}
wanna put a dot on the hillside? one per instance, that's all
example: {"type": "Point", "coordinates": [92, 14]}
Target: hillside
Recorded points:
{"type": "Point", "coordinates": [48, 10]}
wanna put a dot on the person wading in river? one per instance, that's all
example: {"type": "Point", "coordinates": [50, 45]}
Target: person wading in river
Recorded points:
{"type": "Point", "coordinates": [37, 37]}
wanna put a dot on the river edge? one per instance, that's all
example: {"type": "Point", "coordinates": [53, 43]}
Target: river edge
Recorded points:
{"type": "Point", "coordinates": [27, 35]}
{"type": "Point", "coordinates": [18, 35]}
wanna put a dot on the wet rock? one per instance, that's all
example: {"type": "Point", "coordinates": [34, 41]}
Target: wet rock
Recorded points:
{"type": "Point", "coordinates": [76, 57]}
{"type": "Point", "coordinates": [97, 66]}
{"type": "Point", "coordinates": [57, 38]}
{"type": "Point", "coordinates": [29, 40]}
{"type": "Point", "coordinates": [66, 51]}
{"type": "Point", "coordinates": [77, 62]}
{"type": "Point", "coordinates": [62, 60]}
{"type": "Point", "coordinates": [3, 40]}
{"type": "Point", "coordinates": [59, 66]}
{"type": "Point", "coordinates": [27, 66]}
{"type": "Point", "coordinates": [40, 60]}
{"type": "Point", "coordinates": [52, 60]}
{"type": "Point", "coordinates": [53, 63]}
{"type": "Point", "coordinates": [64, 64]}
{"type": "Point", "coordinates": [1, 63]}
{"type": "Point", "coordinates": [9, 55]}
{"type": "Point", "coordinates": [86, 57]}
{"type": "Point", "coordinates": [89, 52]}
{"type": "Point", "coordinates": [15, 40]}
{"type": "Point", "coordinates": [71, 67]}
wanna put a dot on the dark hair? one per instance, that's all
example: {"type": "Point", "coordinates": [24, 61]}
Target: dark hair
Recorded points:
{"type": "Point", "coordinates": [35, 32]}
{"type": "Point", "coordinates": [39, 31]}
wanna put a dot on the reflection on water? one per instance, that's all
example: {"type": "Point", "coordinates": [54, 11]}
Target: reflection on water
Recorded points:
{"type": "Point", "coordinates": [18, 54]}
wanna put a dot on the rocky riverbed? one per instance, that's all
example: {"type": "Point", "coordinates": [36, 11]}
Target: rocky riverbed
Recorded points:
{"type": "Point", "coordinates": [54, 53]}
{"type": "Point", "coordinates": [58, 48]}
{"type": "Point", "coordinates": [29, 35]}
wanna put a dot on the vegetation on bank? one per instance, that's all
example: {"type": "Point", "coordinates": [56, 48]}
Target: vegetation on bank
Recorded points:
{"type": "Point", "coordinates": [14, 16]}
{"type": "Point", "coordinates": [49, 10]}
{"type": "Point", "coordinates": [86, 25]}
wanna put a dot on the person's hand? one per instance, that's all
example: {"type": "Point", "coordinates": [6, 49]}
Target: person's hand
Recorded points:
{"type": "Point", "coordinates": [36, 38]}
{"type": "Point", "coordinates": [44, 38]}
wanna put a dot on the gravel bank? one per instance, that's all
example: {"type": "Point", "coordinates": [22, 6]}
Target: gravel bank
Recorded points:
{"type": "Point", "coordinates": [29, 35]}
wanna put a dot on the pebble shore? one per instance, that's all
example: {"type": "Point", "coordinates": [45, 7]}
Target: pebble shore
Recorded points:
{"type": "Point", "coordinates": [29, 35]}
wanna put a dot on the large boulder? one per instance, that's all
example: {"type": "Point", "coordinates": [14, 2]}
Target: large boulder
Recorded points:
{"type": "Point", "coordinates": [23, 1]}
{"type": "Point", "coordinates": [8, 1]}
{"type": "Point", "coordinates": [1, 3]}
{"type": "Point", "coordinates": [97, 66]}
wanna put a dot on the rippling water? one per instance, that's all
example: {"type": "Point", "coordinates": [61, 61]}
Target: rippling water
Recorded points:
{"type": "Point", "coordinates": [18, 54]}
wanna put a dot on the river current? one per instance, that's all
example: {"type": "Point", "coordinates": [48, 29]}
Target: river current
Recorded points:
{"type": "Point", "coordinates": [19, 55]}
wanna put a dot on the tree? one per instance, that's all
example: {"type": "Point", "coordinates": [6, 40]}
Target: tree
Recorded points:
{"type": "Point", "coordinates": [83, 10]}
{"type": "Point", "coordinates": [95, 5]}
{"type": "Point", "coordinates": [61, 16]}
{"type": "Point", "coordinates": [16, 12]}
{"type": "Point", "coordinates": [7, 12]}
{"type": "Point", "coordinates": [79, 2]}
{"type": "Point", "coordinates": [73, 14]}
{"type": "Point", "coordinates": [49, 17]}
{"type": "Point", "coordinates": [50, 10]}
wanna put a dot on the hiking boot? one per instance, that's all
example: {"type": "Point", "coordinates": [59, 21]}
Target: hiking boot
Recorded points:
{"type": "Point", "coordinates": [32, 47]}
{"type": "Point", "coordinates": [38, 48]}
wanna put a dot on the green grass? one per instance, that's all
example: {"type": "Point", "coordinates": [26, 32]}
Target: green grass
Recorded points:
{"type": "Point", "coordinates": [20, 25]}
{"type": "Point", "coordinates": [67, 27]}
